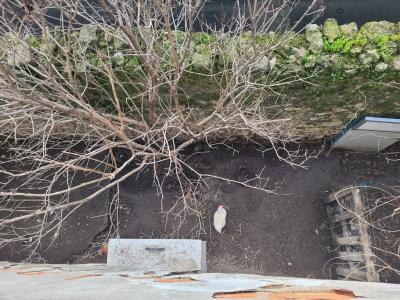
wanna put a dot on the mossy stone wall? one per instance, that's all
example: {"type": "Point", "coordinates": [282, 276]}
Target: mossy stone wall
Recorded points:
{"type": "Point", "coordinates": [352, 71]}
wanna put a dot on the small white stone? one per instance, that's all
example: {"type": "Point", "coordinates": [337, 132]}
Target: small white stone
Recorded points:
{"type": "Point", "coordinates": [381, 67]}
{"type": "Point", "coordinates": [396, 63]}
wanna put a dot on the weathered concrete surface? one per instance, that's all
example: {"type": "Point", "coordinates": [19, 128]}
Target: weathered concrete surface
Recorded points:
{"type": "Point", "coordinates": [151, 255]}
{"type": "Point", "coordinates": [97, 282]}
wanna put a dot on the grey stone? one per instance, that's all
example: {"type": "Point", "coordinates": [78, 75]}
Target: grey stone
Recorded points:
{"type": "Point", "coordinates": [201, 61]}
{"type": "Point", "coordinates": [356, 50]}
{"type": "Point", "coordinates": [293, 67]}
{"type": "Point", "coordinates": [262, 64]}
{"type": "Point", "coordinates": [87, 35]}
{"type": "Point", "coordinates": [314, 37]}
{"type": "Point", "coordinates": [310, 61]}
{"type": "Point", "coordinates": [291, 59]}
{"type": "Point", "coordinates": [349, 63]}
{"type": "Point", "coordinates": [19, 55]}
{"type": "Point", "coordinates": [392, 47]}
{"type": "Point", "coordinates": [81, 67]}
{"type": "Point", "coordinates": [120, 39]}
{"type": "Point", "coordinates": [331, 29]}
{"type": "Point", "coordinates": [265, 64]}
{"type": "Point", "coordinates": [45, 45]}
{"type": "Point", "coordinates": [330, 60]}
{"type": "Point", "coordinates": [48, 47]}
{"type": "Point", "coordinates": [351, 71]}
{"type": "Point", "coordinates": [396, 63]}
{"type": "Point", "coordinates": [118, 58]}
{"type": "Point", "coordinates": [381, 67]}
{"type": "Point", "coordinates": [350, 29]}
{"type": "Point", "coordinates": [369, 56]}
{"type": "Point", "coordinates": [375, 29]}
{"type": "Point", "coordinates": [272, 63]}
{"type": "Point", "coordinates": [229, 50]}
{"type": "Point", "coordinates": [299, 52]}
{"type": "Point", "coordinates": [325, 60]}
{"type": "Point", "coordinates": [15, 51]}
{"type": "Point", "coordinates": [337, 61]}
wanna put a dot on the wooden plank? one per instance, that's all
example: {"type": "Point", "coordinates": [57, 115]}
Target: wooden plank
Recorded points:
{"type": "Point", "coordinates": [329, 210]}
{"type": "Point", "coordinates": [340, 217]}
{"type": "Point", "coordinates": [365, 240]}
{"type": "Point", "coordinates": [350, 256]}
{"type": "Point", "coordinates": [337, 195]}
{"type": "Point", "coordinates": [351, 273]}
{"type": "Point", "coordinates": [348, 240]}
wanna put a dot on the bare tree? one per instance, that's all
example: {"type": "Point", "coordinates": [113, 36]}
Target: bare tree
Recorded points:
{"type": "Point", "coordinates": [71, 99]}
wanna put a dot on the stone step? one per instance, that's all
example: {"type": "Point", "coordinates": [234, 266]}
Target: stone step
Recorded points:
{"type": "Point", "coordinates": [158, 255]}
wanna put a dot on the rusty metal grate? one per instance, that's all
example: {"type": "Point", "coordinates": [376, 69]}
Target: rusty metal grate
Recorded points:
{"type": "Point", "coordinates": [350, 234]}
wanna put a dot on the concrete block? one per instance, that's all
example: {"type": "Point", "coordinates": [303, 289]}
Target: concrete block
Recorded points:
{"type": "Point", "coordinates": [155, 255]}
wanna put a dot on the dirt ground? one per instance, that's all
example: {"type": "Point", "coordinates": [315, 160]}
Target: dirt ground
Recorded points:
{"type": "Point", "coordinates": [382, 212]}
{"type": "Point", "coordinates": [282, 233]}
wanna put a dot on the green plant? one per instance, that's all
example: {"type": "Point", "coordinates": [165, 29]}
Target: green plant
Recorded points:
{"type": "Point", "coordinates": [201, 38]}
{"type": "Point", "coordinates": [382, 43]}
{"type": "Point", "coordinates": [383, 46]}
{"type": "Point", "coordinates": [394, 37]}
{"type": "Point", "coordinates": [344, 45]}
{"type": "Point", "coordinates": [336, 76]}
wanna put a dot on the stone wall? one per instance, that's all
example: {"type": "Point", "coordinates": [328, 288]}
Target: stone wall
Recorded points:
{"type": "Point", "coordinates": [373, 47]}
{"type": "Point", "coordinates": [350, 71]}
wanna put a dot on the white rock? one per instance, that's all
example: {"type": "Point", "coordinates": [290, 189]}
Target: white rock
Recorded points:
{"type": "Point", "coordinates": [220, 218]}
{"type": "Point", "coordinates": [396, 63]}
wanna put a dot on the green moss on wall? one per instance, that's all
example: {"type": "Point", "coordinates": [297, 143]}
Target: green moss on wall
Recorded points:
{"type": "Point", "coordinates": [350, 68]}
